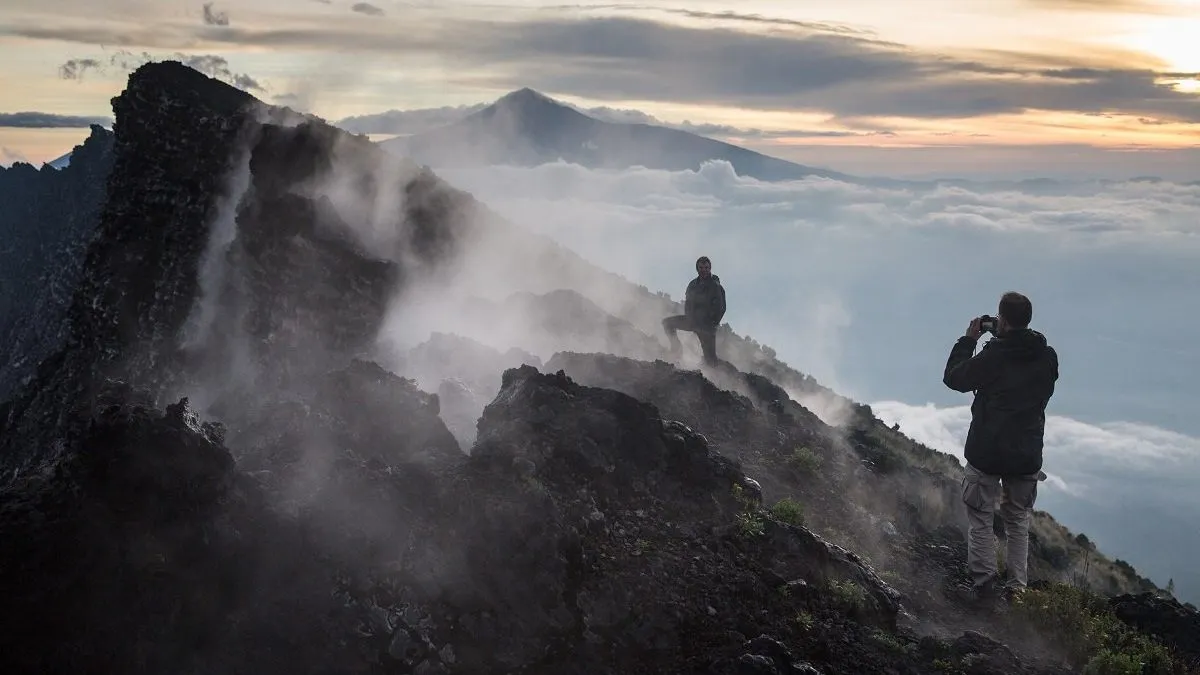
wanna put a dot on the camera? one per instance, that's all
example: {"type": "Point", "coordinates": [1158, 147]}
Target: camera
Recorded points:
{"type": "Point", "coordinates": [987, 324]}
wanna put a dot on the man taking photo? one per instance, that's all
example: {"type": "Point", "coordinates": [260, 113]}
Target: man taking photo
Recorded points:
{"type": "Point", "coordinates": [1013, 377]}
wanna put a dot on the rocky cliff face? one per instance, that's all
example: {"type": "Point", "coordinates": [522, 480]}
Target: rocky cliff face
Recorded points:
{"type": "Point", "coordinates": [226, 468]}
{"type": "Point", "coordinates": [47, 220]}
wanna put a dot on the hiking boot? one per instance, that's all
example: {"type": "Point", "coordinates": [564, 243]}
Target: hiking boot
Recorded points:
{"type": "Point", "coordinates": [980, 596]}
{"type": "Point", "coordinates": [1012, 592]}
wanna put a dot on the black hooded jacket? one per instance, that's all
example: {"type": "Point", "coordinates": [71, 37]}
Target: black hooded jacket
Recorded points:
{"type": "Point", "coordinates": [704, 301]}
{"type": "Point", "coordinates": [1013, 378]}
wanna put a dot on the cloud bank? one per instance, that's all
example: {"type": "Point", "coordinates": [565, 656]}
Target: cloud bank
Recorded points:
{"type": "Point", "coordinates": [866, 288]}
{"type": "Point", "coordinates": [405, 122]}
{"type": "Point", "coordinates": [41, 120]}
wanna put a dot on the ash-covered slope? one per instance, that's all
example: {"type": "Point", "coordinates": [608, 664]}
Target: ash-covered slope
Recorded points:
{"type": "Point", "coordinates": [308, 510]}
{"type": "Point", "coordinates": [46, 220]}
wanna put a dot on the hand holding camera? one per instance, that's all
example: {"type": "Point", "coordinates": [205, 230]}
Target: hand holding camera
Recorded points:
{"type": "Point", "coordinates": [980, 325]}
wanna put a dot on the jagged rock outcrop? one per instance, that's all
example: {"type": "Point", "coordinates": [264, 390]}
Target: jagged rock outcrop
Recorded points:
{"type": "Point", "coordinates": [1176, 625]}
{"type": "Point", "coordinates": [216, 263]}
{"type": "Point", "coordinates": [585, 534]}
{"type": "Point", "coordinates": [357, 457]}
{"type": "Point", "coordinates": [141, 549]}
{"type": "Point", "coordinates": [784, 446]}
{"type": "Point", "coordinates": [45, 228]}
{"type": "Point", "coordinates": [465, 374]}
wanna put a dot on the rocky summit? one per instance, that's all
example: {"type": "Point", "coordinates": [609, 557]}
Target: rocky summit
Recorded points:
{"type": "Point", "coordinates": [303, 407]}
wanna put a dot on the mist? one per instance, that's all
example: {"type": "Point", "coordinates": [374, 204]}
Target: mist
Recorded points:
{"type": "Point", "coordinates": [866, 289]}
{"type": "Point", "coordinates": [833, 277]}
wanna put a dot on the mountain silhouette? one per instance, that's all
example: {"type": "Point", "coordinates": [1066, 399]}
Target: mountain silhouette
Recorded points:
{"type": "Point", "coordinates": [528, 128]}
{"type": "Point", "coordinates": [230, 456]}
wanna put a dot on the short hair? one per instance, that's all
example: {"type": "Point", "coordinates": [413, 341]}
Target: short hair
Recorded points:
{"type": "Point", "coordinates": [1016, 309]}
{"type": "Point", "coordinates": [701, 259]}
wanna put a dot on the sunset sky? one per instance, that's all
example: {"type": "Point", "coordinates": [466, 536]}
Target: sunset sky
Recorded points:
{"type": "Point", "coordinates": [915, 87]}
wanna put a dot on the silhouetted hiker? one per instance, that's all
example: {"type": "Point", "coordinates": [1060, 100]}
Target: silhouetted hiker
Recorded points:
{"type": "Point", "coordinates": [1013, 378]}
{"type": "Point", "coordinates": [703, 308]}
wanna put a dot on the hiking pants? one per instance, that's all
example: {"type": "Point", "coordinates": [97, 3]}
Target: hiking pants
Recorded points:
{"type": "Point", "coordinates": [706, 334]}
{"type": "Point", "coordinates": [1016, 495]}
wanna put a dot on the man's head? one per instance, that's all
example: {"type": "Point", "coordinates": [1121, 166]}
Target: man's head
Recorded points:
{"type": "Point", "coordinates": [1015, 312]}
{"type": "Point", "coordinates": [703, 266]}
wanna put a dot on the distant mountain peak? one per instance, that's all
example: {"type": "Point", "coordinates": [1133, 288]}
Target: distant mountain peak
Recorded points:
{"type": "Point", "coordinates": [525, 95]}
{"type": "Point", "coordinates": [526, 127]}
{"type": "Point", "coordinates": [526, 102]}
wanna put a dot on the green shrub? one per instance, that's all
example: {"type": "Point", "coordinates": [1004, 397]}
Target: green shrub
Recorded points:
{"type": "Point", "coordinates": [789, 511]}
{"type": "Point", "coordinates": [804, 460]}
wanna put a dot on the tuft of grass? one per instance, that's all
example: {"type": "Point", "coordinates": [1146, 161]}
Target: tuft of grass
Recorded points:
{"type": "Point", "coordinates": [750, 518]}
{"type": "Point", "coordinates": [891, 642]}
{"type": "Point", "coordinates": [751, 524]}
{"type": "Point", "coordinates": [803, 620]}
{"type": "Point", "coordinates": [848, 594]}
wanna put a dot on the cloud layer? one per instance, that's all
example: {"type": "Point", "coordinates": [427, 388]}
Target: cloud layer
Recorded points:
{"type": "Point", "coordinates": [405, 122]}
{"type": "Point", "coordinates": [867, 288]}
{"type": "Point", "coordinates": [41, 120]}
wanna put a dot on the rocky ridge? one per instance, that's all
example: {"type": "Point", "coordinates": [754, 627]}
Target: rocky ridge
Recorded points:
{"type": "Point", "coordinates": [606, 517]}
{"type": "Point", "coordinates": [47, 221]}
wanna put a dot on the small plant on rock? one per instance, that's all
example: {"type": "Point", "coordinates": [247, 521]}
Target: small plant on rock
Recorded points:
{"type": "Point", "coordinates": [891, 642]}
{"type": "Point", "coordinates": [789, 511]}
{"type": "Point", "coordinates": [803, 620]}
{"type": "Point", "coordinates": [804, 460]}
{"type": "Point", "coordinates": [847, 594]}
{"type": "Point", "coordinates": [751, 524]}
{"type": "Point", "coordinates": [750, 519]}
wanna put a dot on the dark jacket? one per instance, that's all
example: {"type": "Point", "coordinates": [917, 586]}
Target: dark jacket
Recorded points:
{"type": "Point", "coordinates": [1013, 378]}
{"type": "Point", "coordinates": [704, 301]}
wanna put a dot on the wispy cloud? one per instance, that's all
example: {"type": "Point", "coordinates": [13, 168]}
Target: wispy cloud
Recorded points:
{"type": "Point", "coordinates": [9, 156]}
{"type": "Point", "coordinates": [212, 17]}
{"type": "Point", "coordinates": [75, 69]}
{"type": "Point", "coordinates": [1115, 6]}
{"type": "Point", "coordinates": [367, 8]}
{"type": "Point", "coordinates": [123, 61]}
{"type": "Point", "coordinates": [725, 16]}
{"type": "Point", "coordinates": [41, 120]}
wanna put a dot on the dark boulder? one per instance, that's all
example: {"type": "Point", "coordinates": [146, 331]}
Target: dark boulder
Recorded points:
{"type": "Point", "coordinates": [141, 549]}
{"type": "Point", "coordinates": [1172, 622]}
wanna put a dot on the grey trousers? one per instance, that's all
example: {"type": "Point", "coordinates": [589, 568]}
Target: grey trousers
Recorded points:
{"type": "Point", "coordinates": [1016, 495]}
{"type": "Point", "coordinates": [706, 334]}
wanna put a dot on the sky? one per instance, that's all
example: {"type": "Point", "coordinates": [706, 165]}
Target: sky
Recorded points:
{"type": "Point", "coordinates": [922, 88]}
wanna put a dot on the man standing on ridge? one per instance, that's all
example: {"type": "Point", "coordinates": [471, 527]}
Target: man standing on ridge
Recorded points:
{"type": "Point", "coordinates": [1013, 378]}
{"type": "Point", "coordinates": [703, 309]}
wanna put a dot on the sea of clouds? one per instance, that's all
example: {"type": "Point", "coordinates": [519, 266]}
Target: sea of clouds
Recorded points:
{"type": "Point", "coordinates": [866, 288]}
